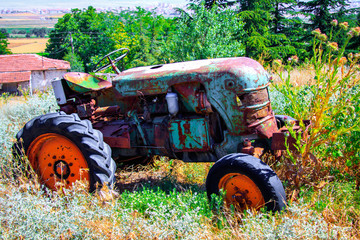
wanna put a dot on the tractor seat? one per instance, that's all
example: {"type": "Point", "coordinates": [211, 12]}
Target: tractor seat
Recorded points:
{"type": "Point", "coordinates": [84, 82]}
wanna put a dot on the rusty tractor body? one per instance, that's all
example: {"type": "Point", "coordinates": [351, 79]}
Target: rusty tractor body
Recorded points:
{"type": "Point", "coordinates": [221, 106]}
{"type": "Point", "coordinates": [197, 111]}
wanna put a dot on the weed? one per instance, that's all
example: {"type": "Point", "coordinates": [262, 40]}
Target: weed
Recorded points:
{"type": "Point", "coordinates": [331, 102]}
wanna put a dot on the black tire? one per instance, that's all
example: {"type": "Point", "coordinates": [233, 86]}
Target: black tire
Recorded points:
{"type": "Point", "coordinates": [101, 167]}
{"type": "Point", "coordinates": [257, 171]}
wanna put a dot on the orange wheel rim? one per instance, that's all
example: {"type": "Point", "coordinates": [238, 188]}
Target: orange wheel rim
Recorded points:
{"type": "Point", "coordinates": [241, 191]}
{"type": "Point", "coordinates": [56, 159]}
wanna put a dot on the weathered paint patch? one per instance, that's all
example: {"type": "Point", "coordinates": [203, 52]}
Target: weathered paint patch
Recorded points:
{"type": "Point", "coordinates": [84, 82]}
{"type": "Point", "coordinates": [189, 135]}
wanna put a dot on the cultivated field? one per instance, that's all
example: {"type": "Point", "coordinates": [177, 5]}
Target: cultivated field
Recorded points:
{"type": "Point", "coordinates": [27, 45]}
{"type": "Point", "coordinates": [28, 20]}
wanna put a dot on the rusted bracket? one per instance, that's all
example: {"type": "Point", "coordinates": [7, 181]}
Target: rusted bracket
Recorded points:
{"type": "Point", "coordinates": [133, 115]}
{"type": "Point", "coordinates": [283, 136]}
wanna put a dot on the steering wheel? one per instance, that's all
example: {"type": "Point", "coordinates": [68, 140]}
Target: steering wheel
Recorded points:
{"type": "Point", "coordinates": [111, 62]}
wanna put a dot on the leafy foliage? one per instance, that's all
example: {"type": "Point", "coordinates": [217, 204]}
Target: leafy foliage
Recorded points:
{"type": "Point", "coordinates": [147, 31]}
{"type": "Point", "coordinates": [39, 32]}
{"type": "Point", "coordinates": [75, 62]}
{"type": "Point", "coordinates": [212, 3]}
{"type": "Point", "coordinates": [331, 103]}
{"type": "Point", "coordinates": [4, 32]}
{"type": "Point", "coordinates": [205, 34]}
{"type": "Point", "coordinates": [4, 44]}
{"type": "Point", "coordinates": [260, 29]}
{"type": "Point", "coordinates": [88, 34]}
{"type": "Point", "coordinates": [321, 12]}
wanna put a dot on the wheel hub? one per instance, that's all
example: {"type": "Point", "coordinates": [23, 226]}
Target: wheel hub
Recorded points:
{"type": "Point", "coordinates": [62, 169]}
{"type": "Point", "coordinates": [242, 198]}
{"type": "Point", "coordinates": [241, 191]}
{"type": "Point", "coordinates": [56, 158]}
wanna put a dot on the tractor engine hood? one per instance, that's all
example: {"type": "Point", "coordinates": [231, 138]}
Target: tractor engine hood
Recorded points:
{"type": "Point", "coordinates": [237, 73]}
{"type": "Point", "coordinates": [235, 87]}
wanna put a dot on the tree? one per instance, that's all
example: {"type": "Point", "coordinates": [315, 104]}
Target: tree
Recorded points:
{"type": "Point", "coordinates": [146, 30]}
{"type": "Point", "coordinates": [220, 3]}
{"type": "Point", "coordinates": [263, 38]}
{"type": "Point", "coordinates": [87, 34]}
{"type": "Point", "coordinates": [4, 44]}
{"type": "Point", "coordinates": [322, 12]}
{"type": "Point", "coordinates": [39, 32]}
{"type": "Point", "coordinates": [75, 62]}
{"type": "Point", "coordinates": [280, 12]}
{"type": "Point", "coordinates": [265, 25]}
{"type": "Point", "coordinates": [4, 32]}
{"type": "Point", "coordinates": [205, 34]}
{"type": "Point", "coordinates": [286, 20]}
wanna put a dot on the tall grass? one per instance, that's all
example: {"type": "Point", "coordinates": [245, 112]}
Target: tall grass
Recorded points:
{"type": "Point", "coordinates": [331, 146]}
{"type": "Point", "coordinates": [164, 201]}
{"type": "Point", "coordinates": [14, 113]}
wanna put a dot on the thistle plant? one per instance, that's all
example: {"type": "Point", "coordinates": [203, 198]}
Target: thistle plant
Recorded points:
{"type": "Point", "coordinates": [332, 106]}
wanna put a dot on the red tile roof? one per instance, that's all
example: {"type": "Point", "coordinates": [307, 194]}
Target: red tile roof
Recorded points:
{"type": "Point", "coordinates": [14, 77]}
{"type": "Point", "coordinates": [30, 62]}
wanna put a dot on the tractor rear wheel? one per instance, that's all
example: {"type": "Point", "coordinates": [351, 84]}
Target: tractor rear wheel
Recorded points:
{"type": "Point", "coordinates": [248, 183]}
{"type": "Point", "coordinates": [63, 148]}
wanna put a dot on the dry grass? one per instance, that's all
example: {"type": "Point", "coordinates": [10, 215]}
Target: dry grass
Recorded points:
{"type": "Point", "coordinates": [146, 213]}
{"type": "Point", "coordinates": [299, 76]}
{"type": "Point", "coordinates": [8, 100]}
{"type": "Point", "coordinates": [27, 45]}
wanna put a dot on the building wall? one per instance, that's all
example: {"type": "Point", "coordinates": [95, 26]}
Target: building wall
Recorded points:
{"type": "Point", "coordinates": [14, 87]}
{"type": "Point", "coordinates": [41, 80]}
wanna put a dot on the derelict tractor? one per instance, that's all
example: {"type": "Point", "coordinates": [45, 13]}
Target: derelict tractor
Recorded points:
{"type": "Point", "coordinates": [215, 110]}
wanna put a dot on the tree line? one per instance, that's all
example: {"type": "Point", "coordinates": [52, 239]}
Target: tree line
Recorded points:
{"type": "Point", "coordinates": [37, 32]}
{"type": "Point", "coordinates": [260, 29]}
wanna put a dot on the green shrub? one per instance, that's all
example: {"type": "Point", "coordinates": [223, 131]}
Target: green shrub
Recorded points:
{"type": "Point", "coordinates": [331, 103]}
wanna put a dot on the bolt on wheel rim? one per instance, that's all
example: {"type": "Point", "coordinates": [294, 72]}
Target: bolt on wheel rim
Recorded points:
{"type": "Point", "coordinates": [57, 161]}
{"type": "Point", "coordinates": [241, 192]}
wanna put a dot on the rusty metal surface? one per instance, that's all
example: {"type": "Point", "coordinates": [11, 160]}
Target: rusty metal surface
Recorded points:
{"type": "Point", "coordinates": [248, 148]}
{"type": "Point", "coordinates": [190, 135]}
{"type": "Point", "coordinates": [233, 89]}
{"type": "Point", "coordinates": [107, 111]}
{"type": "Point", "coordinates": [282, 139]}
{"type": "Point", "coordinates": [86, 110]}
{"type": "Point", "coordinates": [222, 81]}
{"type": "Point", "coordinates": [278, 141]}
{"type": "Point", "coordinates": [243, 72]}
{"type": "Point", "coordinates": [115, 133]}
{"type": "Point", "coordinates": [84, 82]}
{"type": "Point", "coordinates": [193, 98]}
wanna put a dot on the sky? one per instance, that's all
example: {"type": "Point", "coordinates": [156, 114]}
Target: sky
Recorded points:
{"type": "Point", "coordinates": [26, 4]}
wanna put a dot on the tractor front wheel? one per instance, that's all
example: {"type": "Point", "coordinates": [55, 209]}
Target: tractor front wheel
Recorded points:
{"type": "Point", "coordinates": [63, 148]}
{"type": "Point", "coordinates": [248, 183]}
